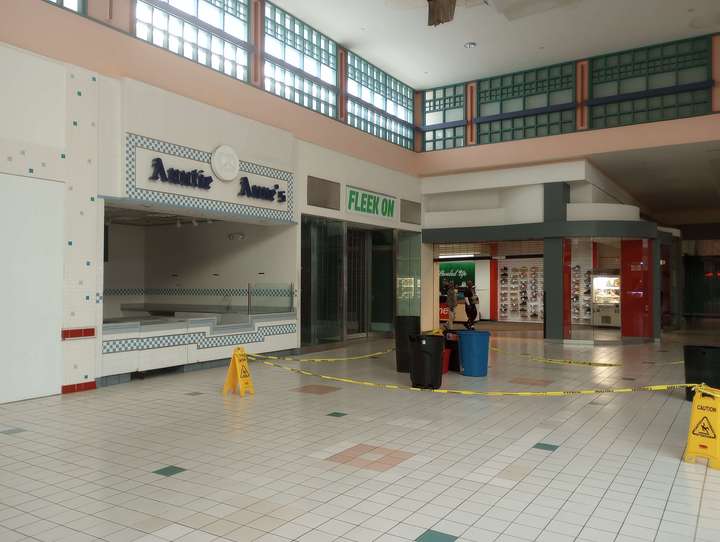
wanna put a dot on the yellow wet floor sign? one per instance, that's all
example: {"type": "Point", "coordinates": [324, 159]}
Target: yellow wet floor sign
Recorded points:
{"type": "Point", "coordinates": [238, 375]}
{"type": "Point", "coordinates": [704, 425]}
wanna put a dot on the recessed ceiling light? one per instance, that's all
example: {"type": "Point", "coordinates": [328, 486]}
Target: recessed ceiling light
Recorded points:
{"type": "Point", "coordinates": [470, 45]}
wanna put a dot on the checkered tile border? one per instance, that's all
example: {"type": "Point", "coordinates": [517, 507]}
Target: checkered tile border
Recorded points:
{"type": "Point", "coordinates": [124, 291]}
{"type": "Point", "coordinates": [201, 340]}
{"type": "Point", "coordinates": [133, 141]}
{"type": "Point", "coordinates": [218, 292]}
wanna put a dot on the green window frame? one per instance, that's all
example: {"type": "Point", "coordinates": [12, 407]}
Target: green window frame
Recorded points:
{"type": "Point", "coordinates": [526, 127]}
{"type": "Point", "coordinates": [379, 103]}
{"type": "Point", "coordinates": [370, 120]}
{"type": "Point", "coordinates": [654, 69]}
{"type": "Point", "coordinates": [443, 105]}
{"type": "Point", "coordinates": [78, 6]}
{"type": "Point", "coordinates": [300, 62]}
{"type": "Point", "coordinates": [527, 104]}
{"type": "Point", "coordinates": [191, 38]}
{"type": "Point", "coordinates": [292, 86]}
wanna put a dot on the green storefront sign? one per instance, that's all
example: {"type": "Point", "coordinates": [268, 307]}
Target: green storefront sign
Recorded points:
{"type": "Point", "coordinates": [456, 272]}
{"type": "Point", "coordinates": [370, 203]}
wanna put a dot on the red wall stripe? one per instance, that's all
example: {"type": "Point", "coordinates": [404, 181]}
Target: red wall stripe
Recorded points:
{"type": "Point", "coordinates": [493, 289]}
{"type": "Point", "coordinates": [77, 333]}
{"type": "Point", "coordinates": [82, 386]}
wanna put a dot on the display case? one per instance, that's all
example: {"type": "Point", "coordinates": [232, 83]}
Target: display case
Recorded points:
{"type": "Point", "coordinates": [520, 290]}
{"type": "Point", "coordinates": [606, 300]}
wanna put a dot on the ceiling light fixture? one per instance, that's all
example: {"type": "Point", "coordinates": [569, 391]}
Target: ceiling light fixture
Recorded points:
{"type": "Point", "coordinates": [470, 45]}
{"type": "Point", "coordinates": [453, 256]}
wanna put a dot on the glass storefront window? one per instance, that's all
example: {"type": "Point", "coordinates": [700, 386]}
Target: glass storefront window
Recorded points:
{"type": "Point", "coordinates": [408, 273]}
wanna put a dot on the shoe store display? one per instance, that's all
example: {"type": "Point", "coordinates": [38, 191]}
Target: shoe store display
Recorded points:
{"type": "Point", "coordinates": [520, 291]}
{"type": "Point", "coordinates": [581, 294]}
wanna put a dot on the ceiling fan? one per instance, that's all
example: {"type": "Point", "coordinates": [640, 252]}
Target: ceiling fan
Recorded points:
{"type": "Point", "coordinates": [443, 11]}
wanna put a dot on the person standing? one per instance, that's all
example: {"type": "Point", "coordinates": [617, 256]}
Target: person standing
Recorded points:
{"type": "Point", "coordinates": [451, 304]}
{"type": "Point", "coordinates": [471, 302]}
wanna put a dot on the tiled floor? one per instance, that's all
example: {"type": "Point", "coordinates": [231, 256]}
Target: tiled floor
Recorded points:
{"type": "Point", "coordinates": [168, 458]}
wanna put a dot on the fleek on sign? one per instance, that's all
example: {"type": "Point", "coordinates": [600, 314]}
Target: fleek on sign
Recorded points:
{"type": "Point", "coordinates": [360, 201]}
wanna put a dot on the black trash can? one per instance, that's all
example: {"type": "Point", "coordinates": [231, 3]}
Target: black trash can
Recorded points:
{"type": "Point", "coordinates": [702, 366]}
{"type": "Point", "coordinates": [426, 361]}
{"type": "Point", "coordinates": [453, 346]}
{"type": "Point", "coordinates": [405, 326]}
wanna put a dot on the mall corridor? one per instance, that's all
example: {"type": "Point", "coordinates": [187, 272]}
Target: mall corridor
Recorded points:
{"type": "Point", "coordinates": [168, 458]}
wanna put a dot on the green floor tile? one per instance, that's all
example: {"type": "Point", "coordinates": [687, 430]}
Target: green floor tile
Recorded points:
{"type": "Point", "coordinates": [170, 470]}
{"type": "Point", "coordinates": [546, 447]}
{"type": "Point", "coordinates": [435, 536]}
{"type": "Point", "coordinates": [337, 414]}
{"type": "Point", "coordinates": [13, 431]}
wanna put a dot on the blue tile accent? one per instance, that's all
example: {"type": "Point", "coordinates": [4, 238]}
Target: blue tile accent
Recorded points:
{"type": "Point", "coordinates": [135, 141]}
{"type": "Point", "coordinates": [435, 536]}
{"type": "Point", "coordinates": [545, 447]}
{"type": "Point", "coordinates": [200, 339]}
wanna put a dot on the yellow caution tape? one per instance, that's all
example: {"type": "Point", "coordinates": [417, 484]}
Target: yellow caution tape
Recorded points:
{"type": "Point", "coordinates": [259, 357]}
{"type": "Point", "coordinates": [552, 361]}
{"type": "Point", "coordinates": [560, 393]}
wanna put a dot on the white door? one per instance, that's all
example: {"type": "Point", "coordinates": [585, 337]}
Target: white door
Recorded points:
{"type": "Point", "coordinates": [31, 282]}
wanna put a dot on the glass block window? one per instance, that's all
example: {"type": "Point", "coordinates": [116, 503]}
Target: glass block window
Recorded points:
{"type": "Point", "coordinates": [189, 40]}
{"type": "Point", "coordinates": [669, 107]}
{"type": "Point", "coordinates": [648, 69]}
{"type": "Point", "coordinates": [441, 105]}
{"type": "Point", "coordinates": [391, 102]}
{"type": "Point", "coordinates": [299, 45]}
{"type": "Point", "coordinates": [230, 16]}
{"type": "Point", "coordinates": [532, 89]}
{"type": "Point", "coordinates": [543, 124]}
{"type": "Point", "coordinates": [380, 125]}
{"type": "Point", "coordinates": [372, 85]}
{"type": "Point", "coordinates": [77, 6]}
{"type": "Point", "coordinates": [304, 91]}
{"type": "Point", "coordinates": [445, 104]}
{"type": "Point", "coordinates": [447, 138]}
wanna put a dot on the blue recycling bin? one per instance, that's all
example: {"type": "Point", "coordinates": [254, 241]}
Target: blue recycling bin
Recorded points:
{"type": "Point", "coordinates": [474, 348]}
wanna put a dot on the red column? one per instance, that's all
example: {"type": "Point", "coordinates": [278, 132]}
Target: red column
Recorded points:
{"type": "Point", "coordinates": [636, 303]}
{"type": "Point", "coordinates": [493, 283]}
{"type": "Point", "coordinates": [257, 40]}
{"type": "Point", "coordinates": [470, 110]}
{"type": "Point", "coordinates": [567, 270]}
{"type": "Point", "coordinates": [582, 94]}
{"type": "Point", "coordinates": [418, 117]}
{"type": "Point", "coordinates": [342, 85]}
{"type": "Point", "coordinates": [716, 72]}
{"type": "Point", "coordinates": [595, 257]}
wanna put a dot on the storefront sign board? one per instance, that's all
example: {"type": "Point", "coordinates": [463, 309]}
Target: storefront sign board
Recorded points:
{"type": "Point", "coordinates": [370, 203]}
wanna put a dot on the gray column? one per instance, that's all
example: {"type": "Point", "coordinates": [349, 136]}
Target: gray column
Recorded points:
{"type": "Point", "coordinates": [553, 277]}
{"type": "Point", "coordinates": [556, 196]}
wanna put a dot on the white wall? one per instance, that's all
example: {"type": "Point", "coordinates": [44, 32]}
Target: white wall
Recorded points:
{"type": "Point", "coordinates": [500, 178]}
{"type": "Point", "coordinates": [204, 257]}
{"type": "Point", "coordinates": [159, 114]}
{"type": "Point", "coordinates": [31, 215]}
{"type": "Point", "coordinates": [125, 267]}
{"type": "Point", "coordinates": [605, 190]}
{"type": "Point", "coordinates": [491, 207]}
{"type": "Point", "coordinates": [482, 287]}
{"type": "Point", "coordinates": [49, 131]}
{"type": "Point", "coordinates": [316, 161]}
